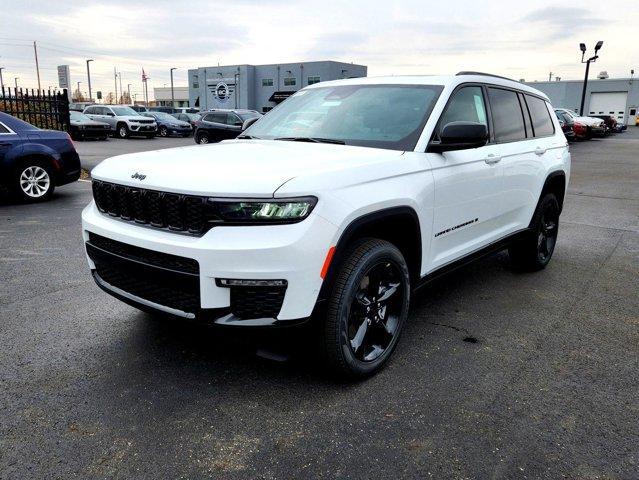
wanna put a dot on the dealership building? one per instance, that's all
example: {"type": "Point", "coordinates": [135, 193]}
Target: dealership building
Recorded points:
{"type": "Point", "coordinates": [618, 97]}
{"type": "Point", "coordinates": [261, 87]}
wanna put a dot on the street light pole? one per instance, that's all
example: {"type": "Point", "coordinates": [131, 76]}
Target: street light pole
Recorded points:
{"type": "Point", "coordinates": [15, 79]}
{"type": "Point", "coordinates": [128, 89]}
{"type": "Point", "coordinates": [594, 58]}
{"type": "Point", "coordinates": [172, 93]}
{"type": "Point", "coordinates": [89, 79]}
{"type": "Point", "coordinates": [79, 94]}
{"type": "Point", "coordinates": [1, 81]}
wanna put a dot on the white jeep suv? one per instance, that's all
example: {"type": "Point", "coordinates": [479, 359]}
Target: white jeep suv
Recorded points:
{"type": "Point", "coordinates": [124, 121]}
{"type": "Point", "coordinates": [334, 207]}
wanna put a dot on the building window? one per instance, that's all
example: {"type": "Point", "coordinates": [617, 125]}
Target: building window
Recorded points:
{"type": "Point", "coordinates": [195, 81]}
{"type": "Point", "coordinates": [267, 82]}
{"type": "Point", "coordinates": [196, 85]}
{"type": "Point", "coordinates": [289, 81]}
{"type": "Point", "coordinates": [314, 79]}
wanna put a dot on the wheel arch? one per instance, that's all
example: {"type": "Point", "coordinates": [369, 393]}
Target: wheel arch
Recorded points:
{"type": "Point", "coordinates": [555, 183]}
{"type": "Point", "coordinates": [397, 225]}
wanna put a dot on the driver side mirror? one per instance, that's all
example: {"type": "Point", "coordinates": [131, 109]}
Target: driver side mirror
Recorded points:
{"type": "Point", "coordinates": [249, 122]}
{"type": "Point", "coordinates": [460, 136]}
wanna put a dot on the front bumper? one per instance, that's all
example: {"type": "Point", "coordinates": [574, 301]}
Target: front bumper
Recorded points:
{"type": "Point", "coordinates": [294, 253]}
{"type": "Point", "coordinates": [180, 130]}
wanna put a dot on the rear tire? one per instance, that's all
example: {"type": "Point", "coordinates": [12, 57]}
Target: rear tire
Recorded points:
{"type": "Point", "coordinates": [366, 310]}
{"type": "Point", "coordinates": [534, 251]}
{"type": "Point", "coordinates": [202, 138]}
{"type": "Point", "coordinates": [33, 181]}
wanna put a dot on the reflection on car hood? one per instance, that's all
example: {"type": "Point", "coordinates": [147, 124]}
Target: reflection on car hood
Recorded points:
{"type": "Point", "coordinates": [240, 167]}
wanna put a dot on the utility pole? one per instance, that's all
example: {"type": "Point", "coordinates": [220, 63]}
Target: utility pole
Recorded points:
{"type": "Point", "coordinates": [121, 91]}
{"type": "Point", "coordinates": [89, 79]}
{"type": "Point", "coordinates": [172, 93]}
{"type": "Point", "coordinates": [35, 51]}
{"type": "Point", "coordinates": [128, 89]}
{"type": "Point", "coordinates": [550, 77]}
{"type": "Point", "coordinates": [594, 58]}
{"type": "Point", "coordinates": [1, 81]}
{"type": "Point", "coordinates": [115, 79]}
{"type": "Point", "coordinates": [79, 94]}
{"type": "Point", "coordinates": [15, 79]}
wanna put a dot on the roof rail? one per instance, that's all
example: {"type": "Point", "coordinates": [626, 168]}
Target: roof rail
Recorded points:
{"type": "Point", "coordinates": [485, 75]}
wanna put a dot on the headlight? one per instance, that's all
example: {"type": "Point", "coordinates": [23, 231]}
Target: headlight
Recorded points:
{"type": "Point", "coordinates": [261, 212]}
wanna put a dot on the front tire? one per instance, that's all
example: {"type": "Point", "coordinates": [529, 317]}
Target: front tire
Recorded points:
{"type": "Point", "coordinates": [534, 251]}
{"type": "Point", "coordinates": [33, 181]}
{"type": "Point", "coordinates": [122, 131]}
{"type": "Point", "coordinates": [164, 132]}
{"type": "Point", "coordinates": [366, 310]}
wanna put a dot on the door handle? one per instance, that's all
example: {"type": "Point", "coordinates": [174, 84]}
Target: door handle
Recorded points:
{"type": "Point", "coordinates": [540, 151]}
{"type": "Point", "coordinates": [492, 159]}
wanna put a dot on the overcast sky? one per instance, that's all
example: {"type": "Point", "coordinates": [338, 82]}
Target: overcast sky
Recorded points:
{"type": "Point", "coordinates": [515, 39]}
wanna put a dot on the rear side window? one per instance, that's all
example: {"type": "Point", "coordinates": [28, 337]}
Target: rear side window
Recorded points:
{"type": "Point", "coordinates": [467, 105]}
{"type": "Point", "coordinates": [3, 129]}
{"type": "Point", "coordinates": [508, 120]}
{"type": "Point", "coordinates": [542, 123]}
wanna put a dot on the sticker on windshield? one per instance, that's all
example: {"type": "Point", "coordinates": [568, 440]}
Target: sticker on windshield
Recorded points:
{"type": "Point", "coordinates": [331, 103]}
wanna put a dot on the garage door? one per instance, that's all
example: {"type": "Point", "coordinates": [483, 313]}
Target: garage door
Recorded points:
{"type": "Point", "coordinates": [608, 103]}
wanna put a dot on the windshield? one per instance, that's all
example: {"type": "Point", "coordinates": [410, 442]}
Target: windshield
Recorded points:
{"type": "Point", "coordinates": [120, 111]}
{"type": "Point", "coordinates": [79, 117]}
{"type": "Point", "coordinates": [382, 116]}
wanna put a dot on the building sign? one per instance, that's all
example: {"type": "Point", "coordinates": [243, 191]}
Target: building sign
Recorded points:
{"type": "Point", "coordinates": [63, 76]}
{"type": "Point", "coordinates": [221, 92]}
{"type": "Point", "coordinates": [279, 97]}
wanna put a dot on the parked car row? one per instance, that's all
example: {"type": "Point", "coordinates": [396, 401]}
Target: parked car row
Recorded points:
{"type": "Point", "coordinates": [576, 127]}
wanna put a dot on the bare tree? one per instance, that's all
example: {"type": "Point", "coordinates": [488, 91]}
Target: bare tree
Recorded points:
{"type": "Point", "coordinates": [77, 96]}
{"type": "Point", "coordinates": [109, 99]}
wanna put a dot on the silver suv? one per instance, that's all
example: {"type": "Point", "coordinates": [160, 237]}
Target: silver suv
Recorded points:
{"type": "Point", "coordinates": [124, 121]}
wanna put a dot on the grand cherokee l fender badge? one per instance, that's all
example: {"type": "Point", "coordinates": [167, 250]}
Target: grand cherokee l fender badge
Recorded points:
{"type": "Point", "coordinates": [474, 220]}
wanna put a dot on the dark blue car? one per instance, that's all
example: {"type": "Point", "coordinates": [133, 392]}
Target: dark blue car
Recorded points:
{"type": "Point", "coordinates": [33, 161]}
{"type": "Point", "coordinates": [169, 125]}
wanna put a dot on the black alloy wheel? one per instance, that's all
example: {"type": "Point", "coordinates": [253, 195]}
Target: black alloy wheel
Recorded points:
{"type": "Point", "coordinates": [534, 249]}
{"type": "Point", "coordinates": [375, 311]}
{"type": "Point", "coordinates": [547, 234]}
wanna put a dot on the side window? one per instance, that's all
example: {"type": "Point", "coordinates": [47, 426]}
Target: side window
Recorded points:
{"type": "Point", "coordinates": [542, 123]}
{"type": "Point", "coordinates": [507, 116]}
{"type": "Point", "coordinates": [104, 111]}
{"type": "Point", "coordinates": [216, 118]}
{"type": "Point", "coordinates": [90, 110]}
{"type": "Point", "coordinates": [467, 105]}
{"type": "Point", "coordinates": [234, 120]}
{"type": "Point", "coordinates": [208, 118]}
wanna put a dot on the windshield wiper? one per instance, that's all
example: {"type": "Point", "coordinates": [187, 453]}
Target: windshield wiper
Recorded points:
{"type": "Point", "coordinates": [312, 140]}
{"type": "Point", "coordinates": [248, 137]}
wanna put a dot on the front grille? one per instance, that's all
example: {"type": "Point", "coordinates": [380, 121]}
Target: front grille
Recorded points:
{"type": "Point", "coordinates": [181, 213]}
{"type": "Point", "coordinates": [143, 255]}
{"type": "Point", "coordinates": [144, 121]}
{"type": "Point", "coordinates": [123, 269]}
{"type": "Point", "coordinates": [257, 302]}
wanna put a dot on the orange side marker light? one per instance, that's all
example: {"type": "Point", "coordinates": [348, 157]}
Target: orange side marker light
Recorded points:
{"type": "Point", "coordinates": [327, 262]}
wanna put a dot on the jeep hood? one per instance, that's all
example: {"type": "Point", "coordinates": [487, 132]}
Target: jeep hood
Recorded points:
{"type": "Point", "coordinates": [237, 168]}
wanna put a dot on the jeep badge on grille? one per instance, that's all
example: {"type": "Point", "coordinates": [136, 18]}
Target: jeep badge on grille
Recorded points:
{"type": "Point", "coordinates": [136, 175]}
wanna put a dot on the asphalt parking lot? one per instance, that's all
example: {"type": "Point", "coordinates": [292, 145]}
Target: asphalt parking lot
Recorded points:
{"type": "Point", "coordinates": [93, 152]}
{"type": "Point", "coordinates": [498, 375]}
